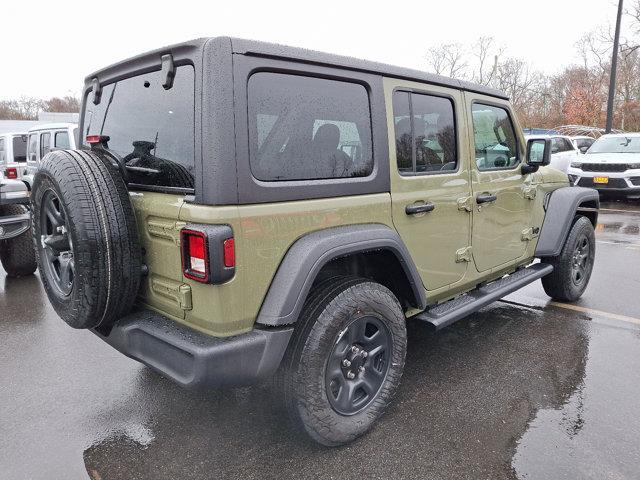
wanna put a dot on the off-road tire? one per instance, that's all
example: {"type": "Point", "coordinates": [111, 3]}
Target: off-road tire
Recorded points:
{"type": "Point", "coordinates": [561, 284]}
{"type": "Point", "coordinates": [330, 308]}
{"type": "Point", "coordinates": [17, 255]}
{"type": "Point", "coordinates": [101, 228]}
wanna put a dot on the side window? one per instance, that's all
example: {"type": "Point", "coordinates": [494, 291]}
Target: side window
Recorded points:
{"type": "Point", "coordinates": [425, 133]}
{"type": "Point", "coordinates": [2, 154]}
{"type": "Point", "coordinates": [61, 140]}
{"type": "Point", "coordinates": [304, 128]}
{"type": "Point", "coordinates": [494, 136]}
{"type": "Point", "coordinates": [568, 146]}
{"type": "Point", "coordinates": [33, 146]}
{"type": "Point", "coordinates": [45, 144]}
{"type": "Point", "coordinates": [404, 136]}
{"type": "Point", "coordinates": [584, 142]}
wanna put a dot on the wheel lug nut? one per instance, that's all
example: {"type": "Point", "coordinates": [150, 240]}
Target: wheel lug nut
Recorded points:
{"type": "Point", "coordinates": [361, 369]}
{"type": "Point", "coordinates": [364, 354]}
{"type": "Point", "coordinates": [346, 363]}
{"type": "Point", "coordinates": [351, 375]}
{"type": "Point", "coordinates": [354, 349]}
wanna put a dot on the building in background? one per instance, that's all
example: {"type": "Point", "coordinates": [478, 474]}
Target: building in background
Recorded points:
{"type": "Point", "coordinates": [17, 126]}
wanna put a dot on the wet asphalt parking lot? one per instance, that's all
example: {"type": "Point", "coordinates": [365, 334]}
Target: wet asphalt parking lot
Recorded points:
{"type": "Point", "coordinates": [523, 389]}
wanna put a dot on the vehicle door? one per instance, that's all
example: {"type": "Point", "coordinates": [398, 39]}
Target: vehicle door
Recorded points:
{"type": "Point", "coordinates": [562, 153]}
{"type": "Point", "coordinates": [430, 178]}
{"type": "Point", "coordinates": [32, 155]}
{"type": "Point", "coordinates": [502, 207]}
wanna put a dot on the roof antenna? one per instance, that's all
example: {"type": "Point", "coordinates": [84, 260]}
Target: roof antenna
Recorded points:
{"type": "Point", "coordinates": [169, 71]}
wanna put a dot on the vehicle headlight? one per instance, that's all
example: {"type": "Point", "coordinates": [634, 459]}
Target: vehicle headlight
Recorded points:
{"type": "Point", "coordinates": [576, 164]}
{"type": "Point", "coordinates": [633, 166]}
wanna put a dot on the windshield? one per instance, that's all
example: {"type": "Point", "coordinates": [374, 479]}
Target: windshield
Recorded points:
{"type": "Point", "coordinates": [20, 148]}
{"type": "Point", "coordinates": [619, 144]}
{"type": "Point", "coordinates": [151, 128]}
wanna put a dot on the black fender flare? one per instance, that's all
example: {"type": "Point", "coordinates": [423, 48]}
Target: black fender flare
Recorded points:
{"type": "Point", "coordinates": [561, 208]}
{"type": "Point", "coordinates": [306, 257]}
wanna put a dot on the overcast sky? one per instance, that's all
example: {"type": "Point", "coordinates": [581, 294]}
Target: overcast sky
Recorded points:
{"type": "Point", "coordinates": [49, 47]}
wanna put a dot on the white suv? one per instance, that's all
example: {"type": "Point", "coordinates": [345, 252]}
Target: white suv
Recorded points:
{"type": "Point", "coordinates": [563, 150]}
{"type": "Point", "coordinates": [13, 154]}
{"type": "Point", "coordinates": [611, 165]}
{"type": "Point", "coordinates": [43, 139]}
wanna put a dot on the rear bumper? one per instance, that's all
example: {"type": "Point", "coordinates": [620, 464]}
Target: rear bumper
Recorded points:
{"type": "Point", "coordinates": [193, 359]}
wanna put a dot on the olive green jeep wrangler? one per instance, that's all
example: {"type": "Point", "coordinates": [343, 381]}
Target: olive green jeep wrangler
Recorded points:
{"type": "Point", "coordinates": [241, 210]}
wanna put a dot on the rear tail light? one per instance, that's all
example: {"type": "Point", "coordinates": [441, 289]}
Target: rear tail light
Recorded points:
{"type": "Point", "coordinates": [195, 255]}
{"type": "Point", "coordinates": [208, 253]}
{"type": "Point", "coordinates": [11, 173]}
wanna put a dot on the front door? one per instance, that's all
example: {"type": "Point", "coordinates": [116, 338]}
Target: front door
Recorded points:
{"type": "Point", "coordinates": [430, 178]}
{"type": "Point", "coordinates": [502, 198]}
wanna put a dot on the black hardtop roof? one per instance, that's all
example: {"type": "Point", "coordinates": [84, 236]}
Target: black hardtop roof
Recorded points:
{"type": "Point", "coordinates": [265, 49]}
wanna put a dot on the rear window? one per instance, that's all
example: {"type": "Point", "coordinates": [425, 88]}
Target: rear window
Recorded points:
{"type": "Point", "coordinates": [304, 128]}
{"type": "Point", "coordinates": [151, 128]}
{"type": "Point", "coordinates": [20, 148]}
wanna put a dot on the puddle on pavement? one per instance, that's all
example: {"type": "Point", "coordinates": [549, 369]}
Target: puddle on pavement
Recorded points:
{"type": "Point", "coordinates": [594, 434]}
{"type": "Point", "coordinates": [618, 227]}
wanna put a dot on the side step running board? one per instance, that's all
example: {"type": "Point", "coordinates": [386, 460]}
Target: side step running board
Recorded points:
{"type": "Point", "coordinates": [446, 313]}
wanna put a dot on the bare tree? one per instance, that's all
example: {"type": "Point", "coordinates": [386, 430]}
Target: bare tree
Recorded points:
{"type": "Point", "coordinates": [486, 59]}
{"type": "Point", "coordinates": [447, 59]}
{"type": "Point", "coordinates": [67, 104]}
{"type": "Point", "coordinates": [27, 108]}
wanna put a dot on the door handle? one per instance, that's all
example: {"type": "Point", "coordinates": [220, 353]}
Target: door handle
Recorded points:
{"type": "Point", "coordinates": [416, 208]}
{"type": "Point", "coordinates": [485, 198]}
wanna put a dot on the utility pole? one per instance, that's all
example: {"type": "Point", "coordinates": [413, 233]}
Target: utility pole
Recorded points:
{"type": "Point", "coordinates": [614, 67]}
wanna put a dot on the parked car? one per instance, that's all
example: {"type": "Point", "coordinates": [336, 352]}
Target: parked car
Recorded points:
{"type": "Point", "coordinates": [611, 165]}
{"type": "Point", "coordinates": [563, 150]}
{"type": "Point", "coordinates": [17, 253]}
{"type": "Point", "coordinates": [239, 209]}
{"type": "Point", "coordinates": [43, 139]}
{"type": "Point", "coordinates": [582, 143]}
{"type": "Point", "coordinates": [13, 148]}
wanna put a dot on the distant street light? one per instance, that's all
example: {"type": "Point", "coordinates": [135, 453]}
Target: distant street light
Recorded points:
{"type": "Point", "coordinates": [612, 75]}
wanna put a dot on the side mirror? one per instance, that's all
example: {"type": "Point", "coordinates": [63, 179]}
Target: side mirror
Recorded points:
{"type": "Point", "coordinates": [583, 149]}
{"type": "Point", "coordinates": [538, 154]}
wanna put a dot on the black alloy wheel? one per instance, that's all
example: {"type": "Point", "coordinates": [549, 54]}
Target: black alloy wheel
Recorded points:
{"type": "Point", "coordinates": [581, 261]}
{"type": "Point", "coordinates": [56, 246]}
{"type": "Point", "coordinates": [358, 364]}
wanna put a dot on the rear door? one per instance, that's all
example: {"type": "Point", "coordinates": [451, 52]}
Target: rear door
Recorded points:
{"type": "Point", "coordinates": [502, 207]}
{"type": "Point", "coordinates": [430, 178]}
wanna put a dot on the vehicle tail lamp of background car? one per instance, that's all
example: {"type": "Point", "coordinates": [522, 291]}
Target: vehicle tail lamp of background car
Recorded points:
{"type": "Point", "coordinates": [11, 173]}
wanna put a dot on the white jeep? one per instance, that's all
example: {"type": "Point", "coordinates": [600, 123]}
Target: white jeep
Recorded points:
{"type": "Point", "coordinates": [17, 252]}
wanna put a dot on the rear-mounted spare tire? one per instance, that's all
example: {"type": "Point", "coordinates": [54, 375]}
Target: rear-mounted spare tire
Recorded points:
{"type": "Point", "coordinates": [86, 236]}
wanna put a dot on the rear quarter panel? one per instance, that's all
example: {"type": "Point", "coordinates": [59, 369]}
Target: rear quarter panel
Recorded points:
{"type": "Point", "coordinates": [263, 234]}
